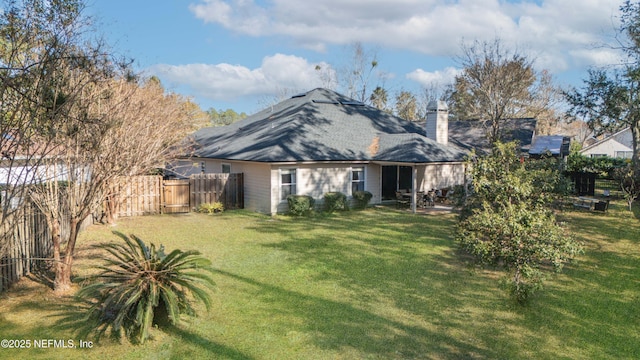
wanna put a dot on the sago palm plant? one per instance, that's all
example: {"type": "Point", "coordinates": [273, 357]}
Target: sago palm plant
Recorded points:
{"type": "Point", "coordinates": [140, 285]}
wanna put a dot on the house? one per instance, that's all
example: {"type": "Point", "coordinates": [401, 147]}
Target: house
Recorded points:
{"type": "Point", "coordinates": [554, 145]}
{"type": "Point", "coordinates": [470, 134]}
{"type": "Point", "coordinates": [618, 145]}
{"type": "Point", "coordinates": [321, 141]}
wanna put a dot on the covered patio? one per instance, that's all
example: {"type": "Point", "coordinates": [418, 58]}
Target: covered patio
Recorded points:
{"type": "Point", "coordinates": [416, 179]}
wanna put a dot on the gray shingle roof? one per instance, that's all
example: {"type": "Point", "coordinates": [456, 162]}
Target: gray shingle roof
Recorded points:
{"type": "Point", "coordinates": [470, 134]}
{"type": "Point", "coordinates": [322, 125]}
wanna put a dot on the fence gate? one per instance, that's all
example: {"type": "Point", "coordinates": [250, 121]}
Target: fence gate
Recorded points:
{"type": "Point", "coordinates": [176, 195]}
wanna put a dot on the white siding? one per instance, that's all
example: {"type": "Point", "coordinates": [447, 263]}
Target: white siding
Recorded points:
{"type": "Point", "coordinates": [622, 141]}
{"type": "Point", "coordinates": [256, 182]}
{"type": "Point", "coordinates": [373, 182]}
{"type": "Point", "coordinates": [316, 180]}
{"type": "Point", "coordinates": [262, 180]}
{"type": "Point", "coordinates": [257, 185]}
{"type": "Point", "coordinates": [438, 176]}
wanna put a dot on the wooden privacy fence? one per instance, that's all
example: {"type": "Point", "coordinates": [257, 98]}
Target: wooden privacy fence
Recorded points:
{"type": "Point", "coordinates": [145, 195]}
{"type": "Point", "coordinates": [225, 188]}
{"type": "Point", "coordinates": [135, 196]}
{"type": "Point", "coordinates": [27, 245]}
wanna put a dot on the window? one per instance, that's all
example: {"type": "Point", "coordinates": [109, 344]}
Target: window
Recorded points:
{"type": "Point", "coordinates": [624, 154]}
{"type": "Point", "coordinates": [598, 155]}
{"type": "Point", "coordinates": [357, 180]}
{"type": "Point", "coordinates": [287, 183]}
{"type": "Point", "coordinates": [226, 168]}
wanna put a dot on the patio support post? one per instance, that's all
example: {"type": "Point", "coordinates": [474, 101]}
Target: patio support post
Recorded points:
{"type": "Point", "coordinates": [414, 183]}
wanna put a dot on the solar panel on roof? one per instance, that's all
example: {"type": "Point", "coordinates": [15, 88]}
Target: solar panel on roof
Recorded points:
{"type": "Point", "coordinates": [542, 144]}
{"type": "Point", "coordinates": [326, 102]}
{"type": "Point", "coordinates": [353, 103]}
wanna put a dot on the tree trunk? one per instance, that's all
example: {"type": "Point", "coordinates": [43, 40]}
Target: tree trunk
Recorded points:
{"type": "Point", "coordinates": [62, 282]}
{"type": "Point", "coordinates": [62, 273]}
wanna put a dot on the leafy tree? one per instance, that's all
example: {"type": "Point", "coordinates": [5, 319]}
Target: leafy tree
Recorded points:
{"type": "Point", "coordinates": [610, 99]}
{"type": "Point", "coordinates": [140, 285]}
{"type": "Point", "coordinates": [508, 222]}
{"type": "Point", "coordinates": [224, 117]}
{"type": "Point", "coordinates": [609, 102]}
{"type": "Point", "coordinates": [406, 106]}
{"type": "Point", "coordinates": [603, 166]}
{"type": "Point", "coordinates": [379, 98]}
{"type": "Point", "coordinates": [496, 85]}
{"type": "Point", "coordinates": [629, 182]}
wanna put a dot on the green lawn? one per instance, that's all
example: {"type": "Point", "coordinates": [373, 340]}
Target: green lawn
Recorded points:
{"type": "Point", "coordinates": [375, 284]}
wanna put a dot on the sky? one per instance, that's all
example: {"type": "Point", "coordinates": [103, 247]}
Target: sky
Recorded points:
{"type": "Point", "coordinates": [243, 54]}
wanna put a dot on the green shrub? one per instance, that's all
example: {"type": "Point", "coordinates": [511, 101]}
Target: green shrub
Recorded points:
{"type": "Point", "coordinates": [300, 205]}
{"type": "Point", "coordinates": [362, 198]}
{"type": "Point", "coordinates": [507, 221]}
{"type": "Point", "coordinates": [139, 286]}
{"type": "Point", "coordinates": [211, 208]}
{"type": "Point", "coordinates": [335, 201]}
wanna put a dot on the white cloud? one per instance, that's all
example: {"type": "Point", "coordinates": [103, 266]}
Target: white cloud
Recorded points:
{"type": "Point", "coordinates": [552, 29]}
{"type": "Point", "coordinates": [226, 82]}
{"type": "Point", "coordinates": [438, 78]}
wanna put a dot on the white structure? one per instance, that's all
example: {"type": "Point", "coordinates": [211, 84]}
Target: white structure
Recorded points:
{"type": "Point", "coordinates": [618, 145]}
{"type": "Point", "coordinates": [437, 125]}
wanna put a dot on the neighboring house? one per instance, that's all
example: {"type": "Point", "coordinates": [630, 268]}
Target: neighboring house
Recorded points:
{"type": "Point", "coordinates": [471, 134]}
{"type": "Point", "coordinates": [554, 145]}
{"type": "Point", "coordinates": [618, 145]}
{"type": "Point", "coordinates": [321, 141]}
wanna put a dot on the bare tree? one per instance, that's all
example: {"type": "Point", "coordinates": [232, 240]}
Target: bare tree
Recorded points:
{"type": "Point", "coordinates": [116, 129]}
{"type": "Point", "coordinates": [357, 73]}
{"type": "Point", "coordinates": [74, 119]}
{"type": "Point", "coordinates": [546, 100]}
{"type": "Point", "coordinates": [431, 92]}
{"type": "Point", "coordinates": [36, 39]}
{"type": "Point", "coordinates": [496, 85]}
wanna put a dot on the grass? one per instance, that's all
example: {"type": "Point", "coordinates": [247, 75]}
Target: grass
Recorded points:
{"type": "Point", "coordinates": [375, 284]}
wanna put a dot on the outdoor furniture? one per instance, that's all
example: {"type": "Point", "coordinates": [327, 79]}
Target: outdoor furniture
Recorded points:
{"type": "Point", "coordinates": [584, 203]}
{"type": "Point", "coordinates": [429, 198]}
{"type": "Point", "coordinates": [591, 204]}
{"type": "Point", "coordinates": [441, 195]}
{"type": "Point", "coordinates": [601, 206]}
{"type": "Point", "coordinates": [402, 201]}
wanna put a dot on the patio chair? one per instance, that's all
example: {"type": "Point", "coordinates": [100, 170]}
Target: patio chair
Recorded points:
{"type": "Point", "coordinates": [442, 195]}
{"type": "Point", "coordinates": [430, 198]}
{"type": "Point", "coordinates": [401, 201]}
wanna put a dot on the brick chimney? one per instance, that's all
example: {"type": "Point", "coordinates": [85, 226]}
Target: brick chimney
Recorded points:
{"type": "Point", "coordinates": [437, 125]}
